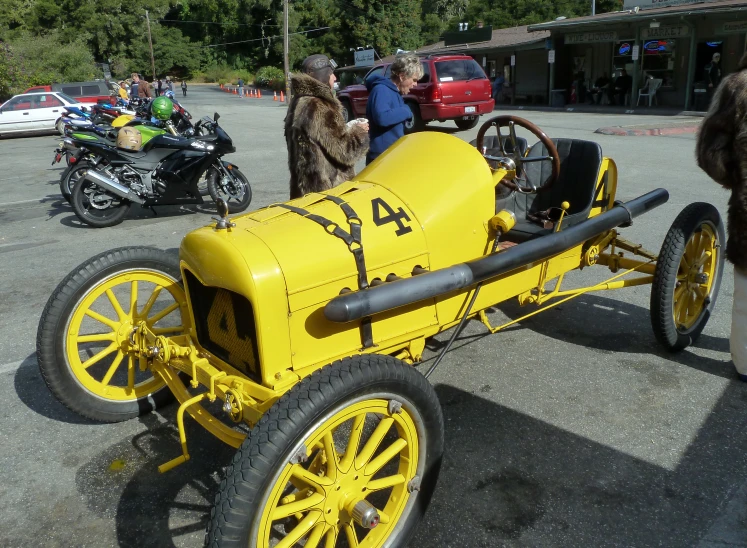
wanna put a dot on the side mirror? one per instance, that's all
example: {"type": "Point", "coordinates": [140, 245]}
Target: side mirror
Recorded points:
{"type": "Point", "coordinates": [216, 116]}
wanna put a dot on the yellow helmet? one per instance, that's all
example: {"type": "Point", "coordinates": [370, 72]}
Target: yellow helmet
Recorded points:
{"type": "Point", "coordinates": [129, 139]}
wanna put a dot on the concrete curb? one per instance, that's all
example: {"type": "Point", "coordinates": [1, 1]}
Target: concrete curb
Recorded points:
{"type": "Point", "coordinates": [623, 131]}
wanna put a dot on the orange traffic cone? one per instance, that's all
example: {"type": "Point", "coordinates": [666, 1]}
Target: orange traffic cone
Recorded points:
{"type": "Point", "coordinates": [282, 97]}
{"type": "Point", "coordinates": [259, 94]}
{"type": "Point", "coordinates": [275, 96]}
{"type": "Point", "coordinates": [254, 93]}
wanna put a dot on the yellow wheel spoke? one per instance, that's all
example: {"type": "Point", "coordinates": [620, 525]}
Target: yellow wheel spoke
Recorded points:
{"type": "Point", "coordinates": [151, 301]}
{"type": "Point", "coordinates": [164, 330]}
{"type": "Point", "coordinates": [316, 535]}
{"type": "Point", "coordinates": [373, 442]}
{"type": "Point", "coordinates": [331, 539]}
{"type": "Point", "coordinates": [355, 438]}
{"type": "Point", "coordinates": [98, 356]}
{"type": "Point", "coordinates": [133, 298]}
{"type": "Point", "coordinates": [309, 478]}
{"type": "Point", "coordinates": [331, 453]}
{"type": "Point", "coordinates": [385, 483]}
{"type": "Point", "coordinates": [130, 374]}
{"type": "Point", "coordinates": [163, 313]}
{"type": "Point", "coordinates": [386, 455]}
{"type": "Point", "coordinates": [383, 517]}
{"type": "Point", "coordinates": [704, 258]}
{"type": "Point", "coordinates": [301, 505]}
{"type": "Point", "coordinates": [299, 530]}
{"type": "Point", "coordinates": [115, 304]}
{"type": "Point", "coordinates": [112, 368]}
{"type": "Point", "coordinates": [103, 319]}
{"type": "Point", "coordinates": [679, 291]}
{"type": "Point", "coordinates": [352, 535]}
{"type": "Point", "coordinates": [95, 337]}
{"type": "Point", "coordinates": [679, 305]}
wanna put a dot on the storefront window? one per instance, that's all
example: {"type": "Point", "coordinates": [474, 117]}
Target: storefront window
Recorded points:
{"type": "Point", "coordinates": [658, 61]}
{"type": "Point", "coordinates": [622, 57]}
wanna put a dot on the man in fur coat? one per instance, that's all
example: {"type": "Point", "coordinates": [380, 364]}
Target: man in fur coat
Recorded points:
{"type": "Point", "coordinates": [322, 149]}
{"type": "Point", "coordinates": [721, 152]}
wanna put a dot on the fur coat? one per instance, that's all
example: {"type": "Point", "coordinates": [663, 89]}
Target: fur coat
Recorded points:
{"type": "Point", "coordinates": [322, 150]}
{"type": "Point", "coordinates": [721, 151]}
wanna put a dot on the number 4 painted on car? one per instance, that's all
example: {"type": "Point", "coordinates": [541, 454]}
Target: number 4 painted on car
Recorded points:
{"type": "Point", "coordinates": [391, 216]}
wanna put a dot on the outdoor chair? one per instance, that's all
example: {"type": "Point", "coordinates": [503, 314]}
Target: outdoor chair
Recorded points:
{"type": "Point", "coordinates": [649, 90]}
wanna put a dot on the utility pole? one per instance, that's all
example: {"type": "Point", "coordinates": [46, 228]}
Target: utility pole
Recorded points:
{"type": "Point", "coordinates": [150, 42]}
{"type": "Point", "coordinates": [593, 7]}
{"type": "Point", "coordinates": [286, 64]}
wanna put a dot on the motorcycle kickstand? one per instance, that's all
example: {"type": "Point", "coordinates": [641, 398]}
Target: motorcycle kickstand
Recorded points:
{"type": "Point", "coordinates": [153, 209]}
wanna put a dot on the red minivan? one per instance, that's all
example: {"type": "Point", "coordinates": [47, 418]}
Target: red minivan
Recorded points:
{"type": "Point", "coordinates": [453, 87]}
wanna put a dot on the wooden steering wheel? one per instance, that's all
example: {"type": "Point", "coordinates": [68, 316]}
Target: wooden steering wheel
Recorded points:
{"type": "Point", "coordinates": [515, 157]}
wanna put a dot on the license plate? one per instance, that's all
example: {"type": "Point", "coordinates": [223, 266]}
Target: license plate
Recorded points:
{"type": "Point", "coordinates": [469, 109]}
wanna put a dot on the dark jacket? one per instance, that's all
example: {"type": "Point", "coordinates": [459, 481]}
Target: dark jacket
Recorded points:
{"type": "Point", "coordinates": [143, 90]}
{"type": "Point", "coordinates": [322, 150]}
{"type": "Point", "coordinates": [386, 112]}
{"type": "Point", "coordinates": [721, 151]}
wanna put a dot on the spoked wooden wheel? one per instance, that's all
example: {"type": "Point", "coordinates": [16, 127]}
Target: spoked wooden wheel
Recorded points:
{"type": "Point", "coordinates": [84, 343]}
{"type": "Point", "coordinates": [688, 276]}
{"type": "Point", "coordinates": [349, 458]}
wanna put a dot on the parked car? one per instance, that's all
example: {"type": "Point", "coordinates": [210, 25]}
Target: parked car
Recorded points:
{"type": "Point", "coordinates": [97, 91]}
{"type": "Point", "coordinates": [453, 87]}
{"type": "Point", "coordinates": [35, 112]}
{"type": "Point", "coordinates": [350, 76]}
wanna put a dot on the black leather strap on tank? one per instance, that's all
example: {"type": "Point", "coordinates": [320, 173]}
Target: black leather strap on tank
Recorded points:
{"type": "Point", "coordinates": [354, 243]}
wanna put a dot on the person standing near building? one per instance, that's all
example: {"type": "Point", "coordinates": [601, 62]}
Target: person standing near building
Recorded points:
{"type": "Point", "coordinates": [322, 148]}
{"type": "Point", "coordinates": [623, 85]}
{"type": "Point", "coordinates": [386, 110]}
{"type": "Point", "coordinates": [241, 87]}
{"type": "Point", "coordinates": [721, 152]}
{"type": "Point", "coordinates": [713, 72]}
{"type": "Point", "coordinates": [498, 88]}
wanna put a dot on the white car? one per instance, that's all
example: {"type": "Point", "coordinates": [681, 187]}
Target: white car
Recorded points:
{"type": "Point", "coordinates": [35, 112]}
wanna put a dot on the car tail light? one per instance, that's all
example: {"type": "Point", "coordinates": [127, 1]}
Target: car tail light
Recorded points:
{"type": "Point", "coordinates": [438, 94]}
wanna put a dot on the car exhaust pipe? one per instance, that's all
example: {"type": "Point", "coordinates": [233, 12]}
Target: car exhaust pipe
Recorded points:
{"type": "Point", "coordinates": [112, 185]}
{"type": "Point", "coordinates": [360, 304]}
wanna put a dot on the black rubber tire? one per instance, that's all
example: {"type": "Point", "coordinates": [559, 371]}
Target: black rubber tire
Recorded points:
{"type": "Point", "coordinates": [671, 336]}
{"type": "Point", "coordinates": [114, 216]}
{"type": "Point", "coordinates": [416, 123]}
{"type": "Point", "coordinates": [467, 124]}
{"type": "Point", "coordinates": [67, 184]}
{"type": "Point", "coordinates": [234, 206]}
{"type": "Point", "coordinates": [270, 443]}
{"type": "Point", "coordinates": [347, 111]}
{"type": "Point", "coordinates": [50, 336]}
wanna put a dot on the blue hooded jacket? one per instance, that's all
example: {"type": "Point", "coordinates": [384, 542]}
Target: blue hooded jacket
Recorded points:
{"type": "Point", "coordinates": [386, 112]}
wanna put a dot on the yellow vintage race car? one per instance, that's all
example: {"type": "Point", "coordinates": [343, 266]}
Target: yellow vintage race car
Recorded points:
{"type": "Point", "coordinates": [291, 333]}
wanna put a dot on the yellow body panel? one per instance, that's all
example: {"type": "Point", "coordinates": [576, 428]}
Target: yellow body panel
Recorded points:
{"type": "Point", "coordinates": [426, 203]}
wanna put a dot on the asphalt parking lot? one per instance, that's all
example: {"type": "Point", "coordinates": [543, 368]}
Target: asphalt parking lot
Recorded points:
{"type": "Point", "coordinates": [572, 428]}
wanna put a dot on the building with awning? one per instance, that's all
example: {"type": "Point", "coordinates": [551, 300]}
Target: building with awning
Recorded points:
{"type": "Point", "coordinates": [520, 55]}
{"type": "Point", "coordinates": [668, 40]}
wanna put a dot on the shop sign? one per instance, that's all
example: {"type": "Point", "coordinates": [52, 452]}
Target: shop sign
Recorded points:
{"type": "Point", "coordinates": [636, 52]}
{"type": "Point", "coordinates": [678, 31]}
{"type": "Point", "coordinates": [589, 37]}
{"type": "Point", "coordinates": [364, 58]}
{"type": "Point", "coordinates": [734, 27]}
{"type": "Point", "coordinates": [653, 4]}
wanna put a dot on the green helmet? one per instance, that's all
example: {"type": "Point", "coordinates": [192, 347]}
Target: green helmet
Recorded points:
{"type": "Point", "coordinates": [162, 108]}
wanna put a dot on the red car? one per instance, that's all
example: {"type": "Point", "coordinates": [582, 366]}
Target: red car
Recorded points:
{"type": "Point", "coordinates": [453, 87]}
{"type": "Point", "coordinates": [97, 91]}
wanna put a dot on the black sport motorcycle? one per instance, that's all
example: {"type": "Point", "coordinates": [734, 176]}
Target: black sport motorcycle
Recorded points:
{"type": "Point", "coordinates": [166, 171]}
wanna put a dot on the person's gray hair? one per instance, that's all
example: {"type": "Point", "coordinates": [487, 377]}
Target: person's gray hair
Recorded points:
{"type": "Point", "coordinates": [407, 65]}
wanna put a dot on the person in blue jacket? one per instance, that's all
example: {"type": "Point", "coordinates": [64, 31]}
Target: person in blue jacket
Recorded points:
{"type": "Point", "coordinates": [386, 110]}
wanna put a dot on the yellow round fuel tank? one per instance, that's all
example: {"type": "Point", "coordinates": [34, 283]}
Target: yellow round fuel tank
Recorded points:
{"type": "Point", "coordinates": [121, 121]}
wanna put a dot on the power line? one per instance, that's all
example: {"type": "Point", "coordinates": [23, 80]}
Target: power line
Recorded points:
{"type": "Point", "coordinates": [259, 39]}
{"type": "Point", "coordinates": [233, 24]}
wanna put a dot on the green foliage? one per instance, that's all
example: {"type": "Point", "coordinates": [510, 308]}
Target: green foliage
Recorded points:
{"type": "Point", "coordinates": [270, 77]}
{"type": "Point", "coordinates": [36, 60]}
{"type": "Point", "coordinates": [215, 40]}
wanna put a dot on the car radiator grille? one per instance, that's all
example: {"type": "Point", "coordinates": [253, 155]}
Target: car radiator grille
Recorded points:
{"type": "Point", "coordinates": [225, 326]}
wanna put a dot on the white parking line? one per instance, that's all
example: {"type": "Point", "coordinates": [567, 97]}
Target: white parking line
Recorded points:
{"type": "Point", "coordinates": [12, 366]}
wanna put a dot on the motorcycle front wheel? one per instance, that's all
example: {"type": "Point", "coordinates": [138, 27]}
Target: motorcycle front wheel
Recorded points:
{"type": "Point", "coordinates": [234, 190]}
{"type": "Point", "coordinates": [96, 207]}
